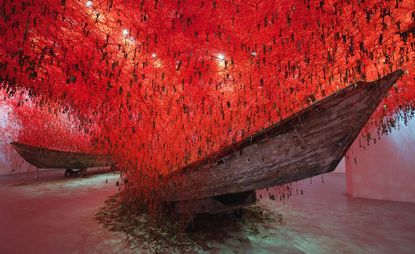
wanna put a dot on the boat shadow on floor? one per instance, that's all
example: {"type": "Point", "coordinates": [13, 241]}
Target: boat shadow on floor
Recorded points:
{"type": "Point", "coordinates": [50, 175]}
{"type": "Point", "coordinates": [164, 233]}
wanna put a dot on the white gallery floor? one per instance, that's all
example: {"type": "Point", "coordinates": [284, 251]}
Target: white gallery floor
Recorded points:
{"type": "Point", "coordinates": [54, 214]}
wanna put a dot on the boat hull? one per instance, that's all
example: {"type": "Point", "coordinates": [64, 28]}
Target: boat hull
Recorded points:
{"type": "Point", "coordinates": [48, 158]}
{"type": "Point", "coordinates": [309, 143]}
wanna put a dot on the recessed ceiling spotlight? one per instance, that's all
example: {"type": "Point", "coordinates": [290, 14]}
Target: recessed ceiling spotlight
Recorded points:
{"type": "Point", "coordinates": [220, 56]}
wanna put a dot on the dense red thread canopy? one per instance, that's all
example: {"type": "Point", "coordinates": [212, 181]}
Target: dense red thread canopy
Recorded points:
{"type": "Point", "coordinates": [159, 84]}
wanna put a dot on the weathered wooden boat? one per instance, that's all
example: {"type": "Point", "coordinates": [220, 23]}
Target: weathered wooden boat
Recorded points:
{"type": "Point", "coordinates": [309, 143]}
{"type": "Point", "coordinates": [43, 158]}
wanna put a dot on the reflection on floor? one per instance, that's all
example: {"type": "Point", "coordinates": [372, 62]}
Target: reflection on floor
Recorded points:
{"type": "Point", "coordinates": [57, 215]}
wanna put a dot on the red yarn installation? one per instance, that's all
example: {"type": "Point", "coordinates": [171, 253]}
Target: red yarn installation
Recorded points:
{"type": "Point", "coordinates": [159, 84]}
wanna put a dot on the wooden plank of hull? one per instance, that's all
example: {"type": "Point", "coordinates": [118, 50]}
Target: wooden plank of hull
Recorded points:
{"type": "Point", "coordinates": [48, 158]}
{"type": "Point", "coordinates": [309, 143]}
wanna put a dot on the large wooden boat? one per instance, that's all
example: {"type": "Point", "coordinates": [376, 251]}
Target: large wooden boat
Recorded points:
{"type": "Point", "coordinates": [309, 143]}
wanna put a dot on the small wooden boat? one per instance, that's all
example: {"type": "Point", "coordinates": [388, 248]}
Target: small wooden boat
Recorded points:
{"type": "Point", "coordinates": [48, 158]}
{"type": "Point", "coordinates": [309, 143]}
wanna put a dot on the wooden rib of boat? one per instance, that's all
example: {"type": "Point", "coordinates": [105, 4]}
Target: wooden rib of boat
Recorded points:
{"type": "Point", "coordinates": [48, 158]}
{"type": "Point", "coordinates": [309, 143]}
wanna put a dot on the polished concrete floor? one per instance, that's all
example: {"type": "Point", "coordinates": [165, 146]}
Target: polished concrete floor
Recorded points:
{"type": "Point", "coordinates": [57, 215]}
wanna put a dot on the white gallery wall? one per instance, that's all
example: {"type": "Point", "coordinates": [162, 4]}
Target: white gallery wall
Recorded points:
{"type": "Point", "coordinates": [385, 170]}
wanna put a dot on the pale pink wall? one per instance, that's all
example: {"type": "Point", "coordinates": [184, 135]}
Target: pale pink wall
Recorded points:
{"type": "Point", "coordinates": [341, 168]}
{"type": "Point", "coordinates": [10, 161]}
{"type": "Point", "coordinates": [5, 139]}
{"type": "Point", "coordinates": [385, 170]}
